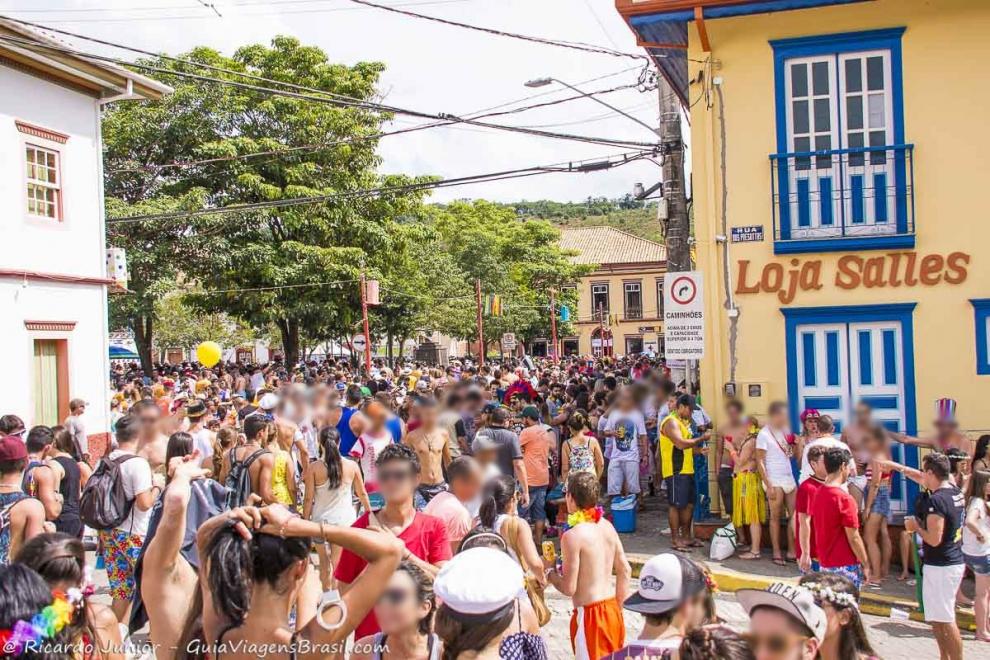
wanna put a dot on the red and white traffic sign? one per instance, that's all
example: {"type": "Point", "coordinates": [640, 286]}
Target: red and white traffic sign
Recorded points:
{"type": "Point", "coordinates": [684, 316]}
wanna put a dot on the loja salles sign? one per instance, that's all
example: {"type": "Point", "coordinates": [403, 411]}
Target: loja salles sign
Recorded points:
{"type": "Point", "coordinates": [895, 269]}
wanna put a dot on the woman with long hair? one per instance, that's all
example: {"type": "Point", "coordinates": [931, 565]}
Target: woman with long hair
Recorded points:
{"type": "Point", "coordinates": [981, 454]}
{"type": "Point", "coordinates": [499, 511]}
{"type": "Point", "coordinates": [845, 636]}
{"type": "Point", "coordinates": [25, 597]}
{"type": "Point", "coordinates": [580, 452]}
{"type": "Point", "coordinates": [75, 472]}
{"type": "Point", "coordinates": [481, 614]}
{"type": "Point", "coordinates": [225, 439]}
{"type": "Point", "coordinates": [331, 485]}
{"type": "Point", "coordinates": [878, 512]}
{"type": "Point", "coordinates": [283, 471]}
{"type": "Point", "coordinates": [976, 547]}
{"type": "Point", "coordinates": [405, 614]}
{"type": "Point", "coordinates": [60, 559]}
{"type": "Point", "coordinates": [257, 561]}
{"type": "Point", "coordinates": [179, 444]}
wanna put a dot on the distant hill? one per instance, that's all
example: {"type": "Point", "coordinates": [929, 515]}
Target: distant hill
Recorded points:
{"type": "Point", "coordinates": [626, 214]}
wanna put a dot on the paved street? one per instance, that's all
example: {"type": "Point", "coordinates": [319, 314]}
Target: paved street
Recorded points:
{"type": "Point", "coordinates": [892, 640]}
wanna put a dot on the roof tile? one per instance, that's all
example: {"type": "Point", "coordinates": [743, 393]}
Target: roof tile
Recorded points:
{"type": "Point", "coordinates": [607, 245]}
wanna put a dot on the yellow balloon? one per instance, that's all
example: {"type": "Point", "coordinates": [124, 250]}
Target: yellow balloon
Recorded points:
{"type": "Point", "coordinates": [208, 353]}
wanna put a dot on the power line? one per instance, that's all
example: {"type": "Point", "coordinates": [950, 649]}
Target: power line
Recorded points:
{"type": "Point", "coordinates": [269, 288]}
{"type": "Point", "coordinates": [244, 3]}
{"type": "Point", "coordinates": [575, 166]}
{"type": "Point", "coordinates": [331, 101]}
{"type": "Point", "coordinates": [211, 17]}
{"type": "Point", "coordinates": [289, 150]}
{"type": "Point", "coordinates": [588, 48]}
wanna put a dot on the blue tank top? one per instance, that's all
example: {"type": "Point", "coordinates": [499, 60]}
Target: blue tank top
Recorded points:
{"type": "Point", "coordinates": [347, 437]}
{"type": "Point", "coordinates": [394, 426]}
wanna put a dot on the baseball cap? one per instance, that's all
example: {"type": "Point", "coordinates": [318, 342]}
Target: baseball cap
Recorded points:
{"type": "Point", "coordinates": [665, 582]}
{"type": "Point", "coordinates": [790, 598]}
{"type": "Point", "coordinates": [269, 401]}
{"type": "Point", "coordinates": [478, 581]}
{"type": "Point", "coordinates": [531, 412]}
{"type": "Point", "coordinates": [12, 448]}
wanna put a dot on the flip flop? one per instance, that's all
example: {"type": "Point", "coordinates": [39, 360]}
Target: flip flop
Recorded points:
{"type": "Point", "coordinates": [749, 556]}
{"type": "Point", "coordinates": [696, 544]}
{"type": "Point", "coordinates": [779, 561]}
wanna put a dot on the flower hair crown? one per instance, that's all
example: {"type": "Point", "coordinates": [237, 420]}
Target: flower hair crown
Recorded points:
{"type": "Point", "coordinates": [829, 595]}
{"type": "Point", "coordinates": [45, 624]}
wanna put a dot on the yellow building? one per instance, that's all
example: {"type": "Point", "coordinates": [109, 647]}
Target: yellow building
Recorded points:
{"type": "Point", "coordinates": [835, 159]}
{"type": "Point", "coordinates": [622, 298]}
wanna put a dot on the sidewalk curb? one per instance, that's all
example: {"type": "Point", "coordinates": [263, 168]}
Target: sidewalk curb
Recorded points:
{"type": "Point", "coordinates": [730, 581]}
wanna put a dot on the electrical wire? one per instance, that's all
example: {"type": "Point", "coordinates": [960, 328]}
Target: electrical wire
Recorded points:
{"type": "Point", "coordinates": [374, 192]}
{"type": "Point", "coordinates": [331, 101]}
{"type": "Point", "coordinates": [574, 45]}
{"type": "Point", "coordinates": [245, 3]}
{"type": "Point", "coordinates": [361, 138]}
{"type": "Point", "coordinates": [270, 288]}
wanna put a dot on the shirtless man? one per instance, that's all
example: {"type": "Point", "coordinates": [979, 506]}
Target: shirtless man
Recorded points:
{"type": "Point", "coordinates": [947, 434]}
{"type": "Point", "coordinates": [431, 442]}
{"type": "Point", "coordinates": [729, 437]}
{"type": "Point", "coordinates": [152, 443]}
{"type": "Point", "coordinates": [168, 580]}
{"type": "Point", "coordinates": [591, 553]}
{"type": "Point", "coordinates": [256, 435]}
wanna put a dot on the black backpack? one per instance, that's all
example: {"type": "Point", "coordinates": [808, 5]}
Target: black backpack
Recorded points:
{"type": "Point", "coordinates": [238, 481]}
{"type": "Point", "coordinates": [104, 504]}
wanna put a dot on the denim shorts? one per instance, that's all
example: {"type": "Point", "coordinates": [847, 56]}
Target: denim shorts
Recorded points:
{"type": "Point", "coordinates": [537, 509]}
{"type": "Point", "coordinates": [881, 503]}
{"type": "Point", "coordinates": [979, 565]}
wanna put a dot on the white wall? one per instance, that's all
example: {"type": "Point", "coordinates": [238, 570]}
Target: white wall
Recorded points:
{"type": "Point", "coordinates": [75, 246]}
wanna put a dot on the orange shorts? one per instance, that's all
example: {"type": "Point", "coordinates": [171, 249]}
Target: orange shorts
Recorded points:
{"type": "Point", "coordinates": [597, 629]}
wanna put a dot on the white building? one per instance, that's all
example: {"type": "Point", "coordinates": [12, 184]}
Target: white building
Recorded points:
{"type": "Point", "coordinates": [53, 280]}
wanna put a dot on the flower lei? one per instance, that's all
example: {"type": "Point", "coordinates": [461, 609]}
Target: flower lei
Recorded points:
{"type": "Point", "coordinates": [45, 624]}
{"type": "Point", "coordinates": [828, 595]}
{"type": "Point", "coordinates": [583, 516]}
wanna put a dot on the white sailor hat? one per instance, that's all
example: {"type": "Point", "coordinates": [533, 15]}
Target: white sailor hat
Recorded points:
{"type": "Point", "coordinates": [479, 581]}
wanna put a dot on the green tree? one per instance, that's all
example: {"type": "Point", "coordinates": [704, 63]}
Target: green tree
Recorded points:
{"type": "Point", "coordinates": [301, 248]}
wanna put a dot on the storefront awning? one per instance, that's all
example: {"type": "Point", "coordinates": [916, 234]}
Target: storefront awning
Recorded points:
{"type": "Point", "coordinates": [122, 353]}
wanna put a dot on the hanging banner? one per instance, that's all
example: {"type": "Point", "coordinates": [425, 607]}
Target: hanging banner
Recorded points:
{"type": "Point", "coordinates": [684, 317]}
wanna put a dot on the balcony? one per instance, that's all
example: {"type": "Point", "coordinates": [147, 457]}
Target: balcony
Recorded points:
{"type": "Point", "coordinates": [843, 199]}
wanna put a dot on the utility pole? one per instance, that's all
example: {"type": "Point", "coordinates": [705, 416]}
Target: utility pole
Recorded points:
{"type": "Point", "coordinates": [677, 224]}
{"type": "Point", "coordinates": [481, 328]}
{"type": "Point", "coordinates": [553, 325]}
{"type": "Point", "coordinates": [601, 327]}
{"type": "Point", "coordinates": [367, 329]}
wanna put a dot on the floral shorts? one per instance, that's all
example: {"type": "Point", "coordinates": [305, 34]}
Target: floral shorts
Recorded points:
{"type": "Point", "coordinates": [853, 571]}
{"type": "Point", "coordinates": [120, 554]}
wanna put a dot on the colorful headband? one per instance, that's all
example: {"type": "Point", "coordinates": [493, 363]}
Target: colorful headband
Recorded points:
{"type": "Point", "coordinates": [45, 624]}
{"type": "Point", "coordinates": [829, 595]}
{"type": "Point", "coordinates": [810, 413]}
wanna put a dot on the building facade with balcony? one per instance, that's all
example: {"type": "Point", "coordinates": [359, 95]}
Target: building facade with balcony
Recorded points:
{"type": "Point", "coordinates": [835, 165]}
{"type": "Point", "coordinates": [54, 268]}
{"type": "Point", "coordinates": [620, 304]}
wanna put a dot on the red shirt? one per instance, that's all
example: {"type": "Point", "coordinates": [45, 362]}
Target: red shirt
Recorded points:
{"type": "Point", "coordinates": [426, 538]}
{"type": "Point", "coordinates": [805, 496]}
{"type": "Point", "coordinates": [832, 511]}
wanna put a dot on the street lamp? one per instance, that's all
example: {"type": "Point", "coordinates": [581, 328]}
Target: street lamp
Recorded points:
{"type": "Point", "coordinates": [543, 82]}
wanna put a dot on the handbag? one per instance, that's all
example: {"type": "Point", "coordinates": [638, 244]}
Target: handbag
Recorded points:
{"type": "Point", "coordinates": [534, 589]}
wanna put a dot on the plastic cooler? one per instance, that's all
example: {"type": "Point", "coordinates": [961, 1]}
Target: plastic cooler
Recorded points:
{"type": "Point", "coordinates": [624, 514]}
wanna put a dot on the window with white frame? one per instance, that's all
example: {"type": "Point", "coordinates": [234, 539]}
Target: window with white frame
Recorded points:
{"type": "Point", "coordinates": [44, 182]}
{"type": "Point", "coordinates": [660, 298]}
{"type": "Point", "coordinates": [599, 298]}
{"type": "Point", "coordinates": [633, 300]}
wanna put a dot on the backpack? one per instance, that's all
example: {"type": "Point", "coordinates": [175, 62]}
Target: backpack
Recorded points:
{"type": "Point", "coordinates": [104, 504]}
{"type": "Point", "coordinates": [238, 480]}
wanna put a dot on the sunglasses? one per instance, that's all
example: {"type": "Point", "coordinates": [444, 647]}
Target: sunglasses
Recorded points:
{"type": "Point", "coordinates": [394, 475]}
{"type": "Point", "coordinates": [775, 644]}
{"type": "Point", "coordinates": [394, 597]}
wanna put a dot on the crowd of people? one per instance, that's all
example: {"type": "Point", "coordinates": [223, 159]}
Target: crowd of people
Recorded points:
{"type": "Point", "coordinates": [423, 513]}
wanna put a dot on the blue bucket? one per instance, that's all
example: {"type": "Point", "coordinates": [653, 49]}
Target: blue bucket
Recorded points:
{"type": "Point", "coordinates": [624, 514]}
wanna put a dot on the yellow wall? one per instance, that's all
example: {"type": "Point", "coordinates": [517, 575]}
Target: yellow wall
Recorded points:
{"type": "Point", "coordinates": [586, 319]}
{"type": "Point", "coordinates": [946, 101]}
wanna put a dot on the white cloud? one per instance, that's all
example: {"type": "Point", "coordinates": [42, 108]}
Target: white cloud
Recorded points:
{"type": "Point", "coordinates": [430, 67]}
